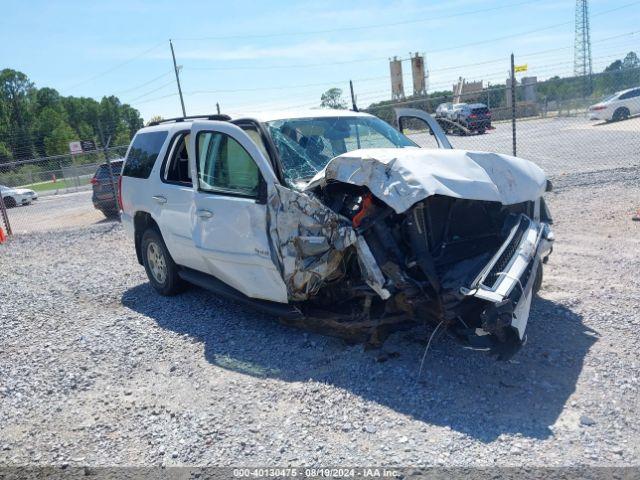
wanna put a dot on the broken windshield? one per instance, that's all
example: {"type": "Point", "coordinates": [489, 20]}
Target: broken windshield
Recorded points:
{"type": "Point", "coordinates": [306, 145]}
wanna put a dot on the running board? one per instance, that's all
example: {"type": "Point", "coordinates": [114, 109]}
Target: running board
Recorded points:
{"type": "Point", "coordinates": [211, 283]}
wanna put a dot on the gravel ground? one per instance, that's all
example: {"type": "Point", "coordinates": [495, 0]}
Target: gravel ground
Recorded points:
{"type": "Point", "coordinates": [96, 369]}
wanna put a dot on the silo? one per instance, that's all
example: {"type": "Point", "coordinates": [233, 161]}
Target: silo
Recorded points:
{"type": "Point", "coordinates": [397, 85]}
{"type": "Point", "coordinates": [419, 76]}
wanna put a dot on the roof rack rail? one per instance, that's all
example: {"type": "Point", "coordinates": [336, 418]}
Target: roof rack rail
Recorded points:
{"type": "Point", "coordinates": [218, 117]}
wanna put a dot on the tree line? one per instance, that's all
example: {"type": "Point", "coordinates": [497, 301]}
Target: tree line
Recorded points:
{"type": "Point", "coordinates": [38, 122]}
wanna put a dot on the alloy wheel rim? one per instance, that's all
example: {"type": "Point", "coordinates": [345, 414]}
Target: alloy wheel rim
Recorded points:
{"type": "Point", "coordinates": [157, 263]}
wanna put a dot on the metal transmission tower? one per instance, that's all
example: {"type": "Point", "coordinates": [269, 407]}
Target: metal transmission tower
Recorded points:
{"type": "Point", "coordinates": [582, 64]}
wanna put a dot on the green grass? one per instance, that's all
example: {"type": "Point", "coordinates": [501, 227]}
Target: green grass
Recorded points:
{"type": "Point", "coordinates": [45, 186]}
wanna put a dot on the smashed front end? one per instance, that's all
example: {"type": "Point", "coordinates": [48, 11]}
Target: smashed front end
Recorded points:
{"type": "Point", "coordinates": [418, 253]}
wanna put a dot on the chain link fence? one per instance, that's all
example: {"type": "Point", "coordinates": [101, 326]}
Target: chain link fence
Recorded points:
{"type": "Point", "coordinates": [571, 139]}
{"type": "Point", "coordinates": [556, 126]}
{"type": "Point", "coordinates": [59, 191]}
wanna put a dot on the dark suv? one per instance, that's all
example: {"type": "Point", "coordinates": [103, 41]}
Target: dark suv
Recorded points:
{"type": "Point", "coordinates": [476, 117]}
{"type": "Point", "coordinates": [103, 188]}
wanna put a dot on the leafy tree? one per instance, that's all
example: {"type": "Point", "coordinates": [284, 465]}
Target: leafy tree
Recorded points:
{"type": "Point", "coordinates": [5, 153]}
{"type": "Point", "coordinates": [15, 89]}
{"type": "Point", "coordinates": [332, 98]}
{"type": "Point", "coordinates": [57, 141]}
{"type": "Point", "coordinates": [40, 121]}
{"type": "Point", "coordinates": [155, 118]}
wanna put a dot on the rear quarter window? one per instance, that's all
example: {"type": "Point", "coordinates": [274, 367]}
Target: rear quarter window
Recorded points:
{"type": "Point", "coordinates": [143, 154]}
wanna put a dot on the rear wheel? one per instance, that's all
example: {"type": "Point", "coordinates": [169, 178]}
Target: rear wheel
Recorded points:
{"type": "Point", "coordinates": [160, 267]}
{"type": "Point", "coordinates": [10, 202]}
{"type": "Point", "coordinates": [621, 113]}
{"type": "Point", "coordinates": [111, 213]}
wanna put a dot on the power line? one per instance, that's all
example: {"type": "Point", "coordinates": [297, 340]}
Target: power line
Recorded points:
{"type": "Point", "coordinates": [376, 59]}
{"type": "Point", "coordinates": [154, 79]}
{"type": "Point", "coordinates": [164, 85]}
{"type": "Point", "coordinates": [115, 67]}
{"type": "Point", "coordinates": [528, 32]}
{"type": "Point", "coordinates": [361, 27]}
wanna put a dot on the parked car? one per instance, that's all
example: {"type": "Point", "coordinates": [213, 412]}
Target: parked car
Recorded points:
{"type": "Point", "coordinates": [443, 110]}
{"type": "Point", "coordinates": [475, 117]}
{"type": "Point", "coordinates": [337, 222]}
{"type": "Point", "coordinates": [14, 196]}
{"type": "Point", "coordinates": [616, 107]}
{"type": "Point", "coordinates": [103, 196]}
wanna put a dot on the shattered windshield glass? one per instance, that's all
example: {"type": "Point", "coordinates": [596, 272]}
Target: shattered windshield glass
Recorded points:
{"type": "Point", "coordinates": [306, 145]}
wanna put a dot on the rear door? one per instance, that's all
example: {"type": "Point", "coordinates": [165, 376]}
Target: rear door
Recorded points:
{"type": "Point", "coordinates": [174, 201]}
{"type": "Point", "coordinates": [229, 219]}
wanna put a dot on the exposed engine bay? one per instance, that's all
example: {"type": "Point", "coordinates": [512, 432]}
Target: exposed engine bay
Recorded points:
{"type": "Point", "coordinates": [368, 265]}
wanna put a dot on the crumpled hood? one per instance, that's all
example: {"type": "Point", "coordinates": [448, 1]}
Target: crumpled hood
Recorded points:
{"type": "Point", "coordinates": [400, 177]}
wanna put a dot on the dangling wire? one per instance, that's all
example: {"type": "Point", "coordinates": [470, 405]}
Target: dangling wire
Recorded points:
{"type": "Point", "coordinates": [424, 355]}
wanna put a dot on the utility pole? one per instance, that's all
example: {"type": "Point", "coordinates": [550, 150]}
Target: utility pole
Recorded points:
{"type": "Point", "coordinates": [353, 97]}
{"type": "Point", "coordinates": [218, 107]}
{"type": "Point", "coordinates": [513, 104]}
{"type": "Point", "coordinates": [175, 67]}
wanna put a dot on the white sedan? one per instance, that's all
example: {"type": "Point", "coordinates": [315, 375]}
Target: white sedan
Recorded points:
{"type": "Point", "coordinates": [616, 107]}
{"type": "Point", "coordinates": [17, 196]}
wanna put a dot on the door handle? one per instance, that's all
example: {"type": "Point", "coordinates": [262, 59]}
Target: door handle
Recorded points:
{"type": "Point", "coordinates": [160, 199]}
{"type": "Point", "coordinates": [204, 214]}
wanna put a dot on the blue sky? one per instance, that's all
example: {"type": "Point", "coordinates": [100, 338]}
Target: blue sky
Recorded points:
{"type": "Point", "coordinates": [257, 55]}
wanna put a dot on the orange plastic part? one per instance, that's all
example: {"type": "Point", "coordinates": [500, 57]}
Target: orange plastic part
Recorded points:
{"type": "Point", "coordinates": [367, 201]}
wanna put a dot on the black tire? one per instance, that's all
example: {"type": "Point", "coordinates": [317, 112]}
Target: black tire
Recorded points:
{"type": "Point", "coordinates": [621, 113]}
{"type": "Point", "coordinates": [10, 202]}
{"type": "Point", "coordinates": [481, 131]}
{"type": "Point", "coordinates": [160, 267]}
{"type": "Point", "coordinates": [537, 284]}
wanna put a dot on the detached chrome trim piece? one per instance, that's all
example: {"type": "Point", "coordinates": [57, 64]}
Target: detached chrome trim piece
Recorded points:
{"type": "Point", "coordinates": [536, 241]}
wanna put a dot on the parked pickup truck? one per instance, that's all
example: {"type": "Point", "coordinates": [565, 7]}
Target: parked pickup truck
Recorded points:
{"type": "Point", "coordinates": [337, 222]}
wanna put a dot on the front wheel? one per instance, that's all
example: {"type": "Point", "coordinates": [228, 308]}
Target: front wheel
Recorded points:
{"type": "Point", "coordinates": [160, 267]}
{"type": "Point", "coordinates": [10, 202]}
{"type": "Point", "coordinates": [537, 284]}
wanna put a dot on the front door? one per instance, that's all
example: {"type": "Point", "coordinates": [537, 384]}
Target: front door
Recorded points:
{"type": "Point", "coordinates": [426, 130]}
{"type": "Point", "coordinates": [229, 218]}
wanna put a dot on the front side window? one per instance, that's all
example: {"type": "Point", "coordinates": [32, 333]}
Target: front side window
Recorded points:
{"type": "Point", "coordinates": [224, 166]}
{"type": "Point", "coordinates": [306, 145]}
{"type": "Point", "coordinates": [143, 154]}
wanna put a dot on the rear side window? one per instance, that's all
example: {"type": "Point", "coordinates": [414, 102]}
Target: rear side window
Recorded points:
{"type": "Point", "coordinates": [143, 153]}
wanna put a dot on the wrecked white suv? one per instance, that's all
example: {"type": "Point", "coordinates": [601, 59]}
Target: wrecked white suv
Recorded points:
{"type": "Point", "coordinates": [336, 221]}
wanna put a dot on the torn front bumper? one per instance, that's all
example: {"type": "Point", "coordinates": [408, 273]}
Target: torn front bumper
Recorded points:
{"type": "Point", "coordinates": [506, 284]}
